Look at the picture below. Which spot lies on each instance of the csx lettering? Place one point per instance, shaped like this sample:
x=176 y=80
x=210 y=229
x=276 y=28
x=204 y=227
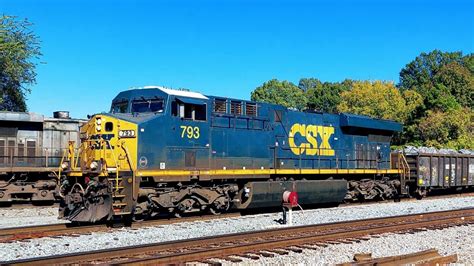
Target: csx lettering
x=310 y=145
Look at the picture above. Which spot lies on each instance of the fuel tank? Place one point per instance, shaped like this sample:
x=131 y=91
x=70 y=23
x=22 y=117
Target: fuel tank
x=263 y=194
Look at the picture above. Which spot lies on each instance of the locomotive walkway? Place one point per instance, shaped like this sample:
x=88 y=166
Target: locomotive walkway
x=264 y=243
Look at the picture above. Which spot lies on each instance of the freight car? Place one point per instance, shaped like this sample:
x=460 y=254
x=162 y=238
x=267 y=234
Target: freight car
x=169 y=151
x=440 y=171
x=31 y=148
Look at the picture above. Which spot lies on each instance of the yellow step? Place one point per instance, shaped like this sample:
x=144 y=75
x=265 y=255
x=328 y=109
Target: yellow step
x=119 y=196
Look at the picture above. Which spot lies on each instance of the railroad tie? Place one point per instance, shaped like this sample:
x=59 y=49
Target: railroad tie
x=294 y=249
x=233 y=259
x=320 y=244
x=210 y=262
x=308 y=247
x=354 y=240
x=279 y=251
x=249 y=256
x=362 y=256
x=333 y=242
x=345 y=241
x=266 y=254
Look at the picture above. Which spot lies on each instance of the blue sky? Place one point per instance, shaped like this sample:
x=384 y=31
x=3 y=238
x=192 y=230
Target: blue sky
x=94 y=49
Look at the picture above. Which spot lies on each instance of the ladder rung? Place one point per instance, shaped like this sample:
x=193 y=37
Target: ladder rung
x=119 y=204
x=119 y=196
x=122 y=213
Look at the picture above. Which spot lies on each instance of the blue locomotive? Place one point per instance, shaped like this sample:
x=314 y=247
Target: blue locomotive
x=160 y=150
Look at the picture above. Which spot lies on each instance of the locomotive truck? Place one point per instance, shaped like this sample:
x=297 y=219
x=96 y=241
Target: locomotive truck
x=163 y=151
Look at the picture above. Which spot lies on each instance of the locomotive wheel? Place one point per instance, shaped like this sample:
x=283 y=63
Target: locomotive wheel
x=176 y=214
x=219 y=206
x=214 y=210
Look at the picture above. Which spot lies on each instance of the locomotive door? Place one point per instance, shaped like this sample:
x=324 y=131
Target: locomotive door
x=191 y=149
x=3 y=152
x=360 y=152
x=281 y=150
x=7 y=152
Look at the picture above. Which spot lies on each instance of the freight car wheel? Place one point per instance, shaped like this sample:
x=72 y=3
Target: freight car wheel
x=420 y=194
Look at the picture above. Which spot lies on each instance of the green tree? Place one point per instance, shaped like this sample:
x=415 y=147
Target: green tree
x=19 y=51
x=309 y=83
x=442 y=78
x=458 y=81
x=378 y=99
x=326 y=96
x=450 y=129
x=280 y=92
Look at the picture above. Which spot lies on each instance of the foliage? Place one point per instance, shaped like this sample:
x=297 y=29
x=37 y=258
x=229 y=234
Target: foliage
x=280 y=92
x=378 y=99
x=308 y=83
x=325 y=97
x=451 y=129
x=457 y=81
x=443 y=79
x=19 y=50
x=446 y=83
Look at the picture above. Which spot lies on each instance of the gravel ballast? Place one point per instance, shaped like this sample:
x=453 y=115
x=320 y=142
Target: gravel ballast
x=126 y=237
x=28 y=216
x=456 y=240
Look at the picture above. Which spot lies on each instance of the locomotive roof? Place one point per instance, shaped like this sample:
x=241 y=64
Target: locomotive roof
x=346 y=120
x=152 y=90
x=21 y=117
x=33 y=118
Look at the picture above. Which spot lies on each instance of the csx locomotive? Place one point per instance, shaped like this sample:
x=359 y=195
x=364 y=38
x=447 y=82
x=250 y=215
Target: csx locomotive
x=31 y=148
x=163 y=151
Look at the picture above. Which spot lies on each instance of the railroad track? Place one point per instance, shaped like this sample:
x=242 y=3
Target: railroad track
x=56 y=230
x=262 y=243
x=425 y=257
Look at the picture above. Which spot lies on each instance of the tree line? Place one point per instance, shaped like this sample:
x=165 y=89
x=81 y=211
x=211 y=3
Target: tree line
x=433 y=99
x=19 y=52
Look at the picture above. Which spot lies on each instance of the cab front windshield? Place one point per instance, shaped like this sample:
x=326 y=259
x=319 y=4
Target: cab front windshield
x=147 y=106
x=120 y=107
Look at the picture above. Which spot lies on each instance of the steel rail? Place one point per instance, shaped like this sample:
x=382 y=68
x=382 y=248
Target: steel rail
x=222 y=246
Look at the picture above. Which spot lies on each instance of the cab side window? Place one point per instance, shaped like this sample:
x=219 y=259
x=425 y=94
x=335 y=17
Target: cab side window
x=189 y=111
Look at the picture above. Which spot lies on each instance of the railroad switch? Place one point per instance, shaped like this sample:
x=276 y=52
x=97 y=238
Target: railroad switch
x=289 y=201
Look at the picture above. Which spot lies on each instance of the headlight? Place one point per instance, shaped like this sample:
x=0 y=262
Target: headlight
x=94 y=165
x=98 y=127
x=64 y=165
x=98 y=121
x=126 y=133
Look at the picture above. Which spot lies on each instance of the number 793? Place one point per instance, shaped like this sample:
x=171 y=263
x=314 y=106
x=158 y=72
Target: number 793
x=190 y=132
